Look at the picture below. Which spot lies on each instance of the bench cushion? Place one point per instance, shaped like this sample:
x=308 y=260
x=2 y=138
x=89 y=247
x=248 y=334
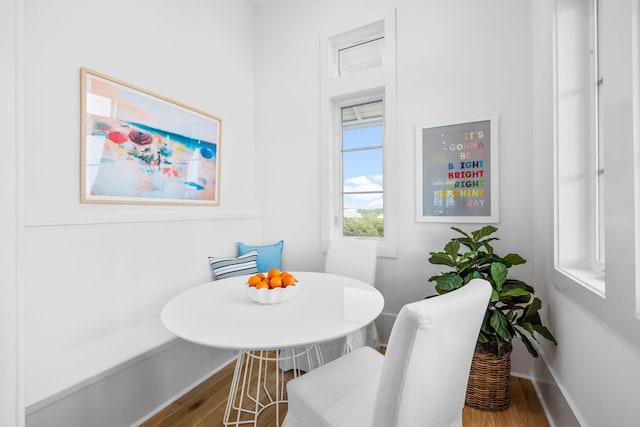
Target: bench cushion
x=73 y=369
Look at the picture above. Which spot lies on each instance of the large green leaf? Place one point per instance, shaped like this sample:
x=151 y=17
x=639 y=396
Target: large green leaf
x=461 y=231
x=473 y=246
x=448 y=282
x=542 y=330
x=501 y=325
x=528 y=344
x=483 y=232
x=441 y=258
x=510 y=314
x=528 y=327
x=452 y=248
x=514 y=292
x=514 y=259
x=515 y=301
x=532 y=309
x=481 y=261
x=483 y=338
x=512 y=283
x=488 y=247
x=499 y=274
x=485 y=242
x=534 y=319
x=468 y=257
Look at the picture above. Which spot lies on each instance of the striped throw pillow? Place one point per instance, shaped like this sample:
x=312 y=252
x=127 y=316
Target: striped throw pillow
x=229 y=267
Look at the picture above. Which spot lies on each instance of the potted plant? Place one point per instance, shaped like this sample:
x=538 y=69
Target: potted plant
x=512 y=311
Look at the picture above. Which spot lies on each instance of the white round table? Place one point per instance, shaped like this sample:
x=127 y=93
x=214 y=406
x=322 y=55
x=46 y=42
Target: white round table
x=220 y=314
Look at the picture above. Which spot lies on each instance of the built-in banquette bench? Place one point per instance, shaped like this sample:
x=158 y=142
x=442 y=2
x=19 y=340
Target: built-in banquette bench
x=123 y=378
x=118 y=379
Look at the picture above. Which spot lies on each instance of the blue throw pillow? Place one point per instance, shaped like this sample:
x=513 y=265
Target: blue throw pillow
x=269 y=256
x=229 y=267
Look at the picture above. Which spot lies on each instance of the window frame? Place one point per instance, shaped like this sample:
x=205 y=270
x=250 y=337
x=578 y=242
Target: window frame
x=347 y=89
x=339 y=149
x=578 y=113
x=599 y=252
x=619 y=97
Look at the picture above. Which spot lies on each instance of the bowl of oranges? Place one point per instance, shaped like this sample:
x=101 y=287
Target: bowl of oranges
x=273 y=287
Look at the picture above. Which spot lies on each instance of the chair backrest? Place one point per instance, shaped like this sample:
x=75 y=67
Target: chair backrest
x=428 y=358
x=355 y=258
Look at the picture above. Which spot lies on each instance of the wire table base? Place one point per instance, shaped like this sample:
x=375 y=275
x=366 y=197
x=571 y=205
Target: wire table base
x=258 y=383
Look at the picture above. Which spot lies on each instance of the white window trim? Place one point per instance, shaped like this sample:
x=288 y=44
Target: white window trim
x=620 y=96
x=336 y=91
x=573 y=129
x=635 y=37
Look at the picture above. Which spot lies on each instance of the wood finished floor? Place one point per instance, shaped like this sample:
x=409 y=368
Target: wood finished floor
x=205 y=404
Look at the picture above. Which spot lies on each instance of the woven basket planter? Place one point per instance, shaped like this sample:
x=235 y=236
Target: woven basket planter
x=488 y=386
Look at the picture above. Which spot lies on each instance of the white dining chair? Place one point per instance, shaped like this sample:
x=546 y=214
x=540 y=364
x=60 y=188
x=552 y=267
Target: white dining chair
x=421 y=381
x=354 y=258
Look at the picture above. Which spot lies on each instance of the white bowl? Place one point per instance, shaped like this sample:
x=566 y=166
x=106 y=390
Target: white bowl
x=272 y=296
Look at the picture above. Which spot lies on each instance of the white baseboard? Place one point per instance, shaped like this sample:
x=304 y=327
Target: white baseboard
x=559 y=409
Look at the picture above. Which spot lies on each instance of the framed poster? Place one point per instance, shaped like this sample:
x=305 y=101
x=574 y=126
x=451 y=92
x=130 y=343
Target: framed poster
x=139 y=147
x=457 y=171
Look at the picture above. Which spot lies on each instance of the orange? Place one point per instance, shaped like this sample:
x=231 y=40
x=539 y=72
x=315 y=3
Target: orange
x=261 y=276
x=254 y=280
x=273 y=272
x=276 y=282
x=263 y=285
x=288 y=280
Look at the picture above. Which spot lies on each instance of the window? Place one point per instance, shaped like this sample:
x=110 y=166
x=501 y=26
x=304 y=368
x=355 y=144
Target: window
x=361 y=55
x=580 y=191
x=362 y=170
x=358 y=122
x=597 y=119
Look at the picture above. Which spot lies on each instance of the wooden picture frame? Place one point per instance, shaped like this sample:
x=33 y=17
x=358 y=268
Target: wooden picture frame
x=457 y=171
x=140 y=147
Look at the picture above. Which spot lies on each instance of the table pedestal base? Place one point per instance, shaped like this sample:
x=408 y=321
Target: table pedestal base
x=259 y=384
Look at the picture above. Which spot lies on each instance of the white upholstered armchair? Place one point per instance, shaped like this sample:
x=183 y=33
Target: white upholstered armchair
x=421 y=381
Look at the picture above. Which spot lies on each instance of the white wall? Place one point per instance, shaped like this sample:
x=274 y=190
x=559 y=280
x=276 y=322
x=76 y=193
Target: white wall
x=93 y=268
x=10 y=363
x=454 y=58
x=90 y=269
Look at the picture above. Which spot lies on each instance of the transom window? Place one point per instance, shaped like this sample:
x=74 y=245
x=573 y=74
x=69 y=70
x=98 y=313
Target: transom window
x=362 y=55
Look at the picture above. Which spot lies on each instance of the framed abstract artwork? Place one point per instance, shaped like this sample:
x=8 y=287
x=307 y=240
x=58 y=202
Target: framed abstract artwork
x=457 y=172
x=139 y=147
